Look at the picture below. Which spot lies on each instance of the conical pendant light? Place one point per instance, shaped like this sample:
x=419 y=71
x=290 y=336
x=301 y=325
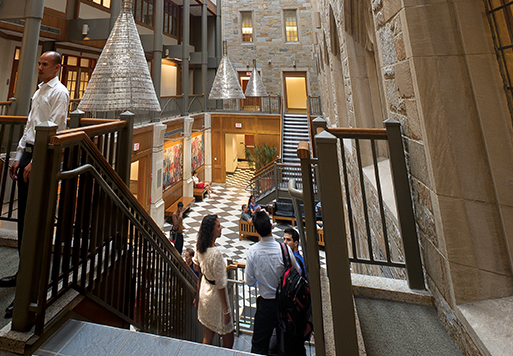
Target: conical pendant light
x=121 y=79
x=226 y=84
x=255 y=86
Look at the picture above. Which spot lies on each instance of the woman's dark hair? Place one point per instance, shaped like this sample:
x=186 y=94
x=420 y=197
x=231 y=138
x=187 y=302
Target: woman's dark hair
x=205 y=233
x=249 y=200
x=194 y=172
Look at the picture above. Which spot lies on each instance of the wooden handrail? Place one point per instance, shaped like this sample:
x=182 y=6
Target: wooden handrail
x=266 y=167
x=171 y=96
x=8 y=102
x=91 y=121
x=13 y=118
x=97 y=129
x=348 y=132
x=67 y=137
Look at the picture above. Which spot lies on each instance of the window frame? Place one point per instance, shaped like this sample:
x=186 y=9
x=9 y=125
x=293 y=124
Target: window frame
x=242 y=27
x=503 y=43
x=285 y=32
x=139 y=13
x=98 y=3
x=172 y=14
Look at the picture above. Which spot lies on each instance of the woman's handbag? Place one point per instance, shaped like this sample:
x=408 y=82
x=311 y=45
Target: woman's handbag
x=174 y=235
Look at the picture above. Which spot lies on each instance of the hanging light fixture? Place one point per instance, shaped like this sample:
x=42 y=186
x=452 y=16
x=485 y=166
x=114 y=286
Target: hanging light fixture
x=226 y=83
x=255 y=85
x=121 y=79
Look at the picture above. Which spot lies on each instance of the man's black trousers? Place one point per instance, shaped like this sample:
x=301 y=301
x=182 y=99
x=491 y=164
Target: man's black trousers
x=26 y=158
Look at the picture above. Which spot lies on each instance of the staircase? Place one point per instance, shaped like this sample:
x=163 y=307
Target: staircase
x=295 y=129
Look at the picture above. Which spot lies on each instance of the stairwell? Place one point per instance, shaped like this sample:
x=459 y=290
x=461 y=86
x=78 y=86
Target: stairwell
x=295 y=130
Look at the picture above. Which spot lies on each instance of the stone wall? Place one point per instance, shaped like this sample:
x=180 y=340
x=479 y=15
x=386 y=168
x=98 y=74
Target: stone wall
x=272 y=53
x=456 y=130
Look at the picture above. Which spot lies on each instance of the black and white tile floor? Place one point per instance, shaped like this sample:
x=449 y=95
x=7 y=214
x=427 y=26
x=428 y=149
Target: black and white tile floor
x=226 y=202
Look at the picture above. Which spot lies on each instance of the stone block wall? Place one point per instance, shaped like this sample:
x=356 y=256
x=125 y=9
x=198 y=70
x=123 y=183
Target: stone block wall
x=456 y=130
x=273 y=54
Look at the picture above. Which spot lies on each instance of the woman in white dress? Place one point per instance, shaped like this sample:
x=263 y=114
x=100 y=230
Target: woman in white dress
x=211 y=295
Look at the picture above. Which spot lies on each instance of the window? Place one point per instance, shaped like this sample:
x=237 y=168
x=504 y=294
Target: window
x=170 y=18
x=247 y=26
x=104 y=3
x=500 y=15
x=75 y=74
x=290 y=25
x=143 y=11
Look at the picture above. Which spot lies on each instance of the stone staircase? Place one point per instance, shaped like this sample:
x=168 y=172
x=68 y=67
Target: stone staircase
x=295 y=129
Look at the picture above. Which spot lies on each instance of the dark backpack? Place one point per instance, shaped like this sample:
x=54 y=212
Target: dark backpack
x=293 y=300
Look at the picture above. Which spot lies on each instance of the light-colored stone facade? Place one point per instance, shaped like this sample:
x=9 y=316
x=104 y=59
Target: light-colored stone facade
x=431 y=65
x=273 y=54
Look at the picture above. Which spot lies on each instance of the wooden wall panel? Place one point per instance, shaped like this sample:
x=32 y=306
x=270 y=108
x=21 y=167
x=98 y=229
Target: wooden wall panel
x=265 y=128
x=173 y=194
x=268 y=139
x=144 y=137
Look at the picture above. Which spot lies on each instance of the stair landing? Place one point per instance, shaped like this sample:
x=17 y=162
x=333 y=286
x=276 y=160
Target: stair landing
x=83 y=338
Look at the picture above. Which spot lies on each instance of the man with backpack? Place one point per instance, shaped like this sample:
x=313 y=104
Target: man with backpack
x=265 y=265
x=294 y=305
x=291 y=238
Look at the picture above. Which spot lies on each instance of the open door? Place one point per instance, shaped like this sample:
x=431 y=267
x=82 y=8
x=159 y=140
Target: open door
x=296 y=93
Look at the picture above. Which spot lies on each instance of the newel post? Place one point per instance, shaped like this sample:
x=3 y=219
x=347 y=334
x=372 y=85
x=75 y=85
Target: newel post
x=335 y=237
x=38 y=233
x=404 y=205
x=124 y=156
x=74 y=118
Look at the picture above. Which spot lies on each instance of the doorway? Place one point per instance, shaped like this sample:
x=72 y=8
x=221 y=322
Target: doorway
x=235 y=151
x=138 y=181
x=296 y=93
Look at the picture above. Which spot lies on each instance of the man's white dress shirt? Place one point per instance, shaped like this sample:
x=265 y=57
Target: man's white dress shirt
x=49 y=103
x=265 y=265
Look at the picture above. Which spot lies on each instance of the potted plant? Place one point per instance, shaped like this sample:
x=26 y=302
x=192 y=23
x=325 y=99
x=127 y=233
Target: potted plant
x=261 y=156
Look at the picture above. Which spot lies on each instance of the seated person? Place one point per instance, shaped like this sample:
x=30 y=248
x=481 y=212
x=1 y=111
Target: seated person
x=245 y=216
x=318 y=211
x=189 y=254
x=254 y=207
x=201 y=185
x=318 y=214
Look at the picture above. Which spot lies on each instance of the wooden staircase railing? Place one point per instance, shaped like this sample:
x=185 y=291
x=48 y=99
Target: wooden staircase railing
x=89 y=233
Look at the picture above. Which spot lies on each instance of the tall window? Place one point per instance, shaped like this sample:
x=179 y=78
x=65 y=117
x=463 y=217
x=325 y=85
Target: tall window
x=170 y=18
x=290 y=25
x=75 y=74
x=247 y=26
x=143 y=11
x=105 y=3
x=500 y=15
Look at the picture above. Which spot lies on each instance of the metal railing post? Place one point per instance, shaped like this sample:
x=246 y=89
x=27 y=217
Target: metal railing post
x=125 y=147
x=37 y=236
x=74 y=118
x=312 y=247
x=404 y=205
x=276 y=181
x=337 y=259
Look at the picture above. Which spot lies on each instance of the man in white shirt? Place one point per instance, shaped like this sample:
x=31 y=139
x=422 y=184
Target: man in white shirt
x=49 y=103
x=265 y=266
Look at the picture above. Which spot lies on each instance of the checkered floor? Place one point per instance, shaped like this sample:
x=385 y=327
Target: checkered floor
x=226 y=202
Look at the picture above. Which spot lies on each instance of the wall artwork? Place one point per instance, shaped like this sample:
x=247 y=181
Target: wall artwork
x=173 y=165
x=197 y=152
